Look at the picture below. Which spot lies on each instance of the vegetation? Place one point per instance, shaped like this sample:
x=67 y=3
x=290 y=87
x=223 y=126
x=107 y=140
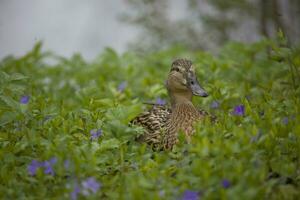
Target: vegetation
x=64 y=126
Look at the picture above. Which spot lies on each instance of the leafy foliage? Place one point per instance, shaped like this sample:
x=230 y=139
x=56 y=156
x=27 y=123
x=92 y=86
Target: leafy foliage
x=69 y=137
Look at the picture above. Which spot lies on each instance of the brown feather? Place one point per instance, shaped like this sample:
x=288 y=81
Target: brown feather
x=162 y=124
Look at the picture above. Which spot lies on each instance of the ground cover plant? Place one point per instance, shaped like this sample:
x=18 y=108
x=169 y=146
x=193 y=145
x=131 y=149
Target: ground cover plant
x=64 y=130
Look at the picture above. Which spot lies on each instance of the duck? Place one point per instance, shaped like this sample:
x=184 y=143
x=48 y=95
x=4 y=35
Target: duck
x=162 y=123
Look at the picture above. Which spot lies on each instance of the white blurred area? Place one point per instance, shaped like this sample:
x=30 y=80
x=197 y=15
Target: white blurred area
x=69 y=26
x=64 y=26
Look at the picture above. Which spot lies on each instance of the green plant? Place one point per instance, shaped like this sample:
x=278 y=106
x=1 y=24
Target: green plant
x=64 y=127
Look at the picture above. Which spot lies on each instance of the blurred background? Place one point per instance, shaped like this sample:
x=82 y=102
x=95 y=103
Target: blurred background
x=70 y=26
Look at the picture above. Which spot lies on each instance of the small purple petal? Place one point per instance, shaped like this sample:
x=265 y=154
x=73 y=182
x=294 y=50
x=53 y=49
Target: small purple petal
x=190 y=195
x=91 y=184
x=239 y=110
x=48 y=168
x=215 y=104
x=285 y=120
x=75 y=192
x=160 y=101
x=33 y=166
x=95 y=134
x=226 y=183
x=24 y=99
x=47 y=165
x=67 y=164
x=161 y=193
x=53 y=160
x=122 y=86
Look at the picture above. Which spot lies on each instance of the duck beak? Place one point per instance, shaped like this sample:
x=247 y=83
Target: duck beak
x=194 y=85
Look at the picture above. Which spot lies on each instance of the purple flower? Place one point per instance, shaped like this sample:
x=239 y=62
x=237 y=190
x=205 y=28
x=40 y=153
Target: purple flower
x=90 y=184
x=190 y=195
x=160 y=101
x=53 y=160
x=95 y=134
x=67 y=164
x=33 y=166
x=24 y=99
x=239 y=110
x=215 y=104
x=48 y=164
x=161 y=193
x=285 y=120
x=48 y=168
x=122 y=86
x=75 y=192
x=226 y=183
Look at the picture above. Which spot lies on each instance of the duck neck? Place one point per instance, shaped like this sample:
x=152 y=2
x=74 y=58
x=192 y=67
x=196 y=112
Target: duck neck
x=180 y=98
x=182 y=117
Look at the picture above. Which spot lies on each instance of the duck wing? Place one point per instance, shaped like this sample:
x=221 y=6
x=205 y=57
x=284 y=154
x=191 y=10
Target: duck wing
x=154 y=122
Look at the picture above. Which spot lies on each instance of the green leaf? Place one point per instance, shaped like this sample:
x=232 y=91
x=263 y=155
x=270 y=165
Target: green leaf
x=7 y=117
x=14 y=105
x=17 y=77
x=109 y=144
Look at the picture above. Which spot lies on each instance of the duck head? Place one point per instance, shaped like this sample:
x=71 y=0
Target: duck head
x=182 y=82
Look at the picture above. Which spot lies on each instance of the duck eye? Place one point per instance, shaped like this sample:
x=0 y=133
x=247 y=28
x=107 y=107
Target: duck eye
x=176 y=69
x=192 y=82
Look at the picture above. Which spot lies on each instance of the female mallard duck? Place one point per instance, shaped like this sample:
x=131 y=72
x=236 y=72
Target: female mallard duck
x=161 y=123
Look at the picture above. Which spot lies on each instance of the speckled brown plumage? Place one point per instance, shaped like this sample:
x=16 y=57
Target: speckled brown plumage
x=161 y=123
x=154 y=122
